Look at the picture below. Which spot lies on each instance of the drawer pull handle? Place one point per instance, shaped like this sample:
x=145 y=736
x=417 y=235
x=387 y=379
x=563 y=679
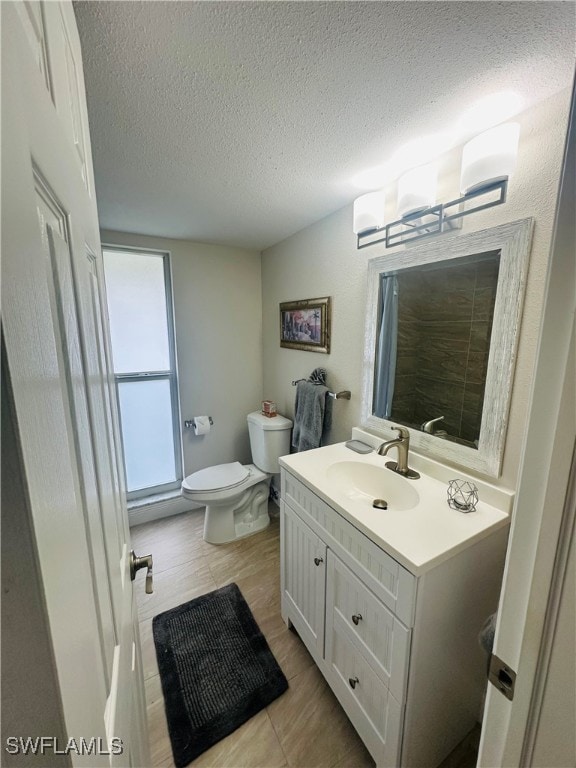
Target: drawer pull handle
x=318 y=560
x=353 y=681
x=357 y=618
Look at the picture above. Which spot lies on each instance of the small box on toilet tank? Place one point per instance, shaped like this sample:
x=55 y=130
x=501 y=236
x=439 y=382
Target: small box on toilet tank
x=268 y=408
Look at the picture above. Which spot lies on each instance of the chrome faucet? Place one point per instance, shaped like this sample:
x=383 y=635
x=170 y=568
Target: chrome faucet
x=402 y=444
x=428 y=426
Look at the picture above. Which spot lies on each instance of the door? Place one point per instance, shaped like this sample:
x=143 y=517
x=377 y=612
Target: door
x=304 y=578
x=58 y=358
x=528 y=630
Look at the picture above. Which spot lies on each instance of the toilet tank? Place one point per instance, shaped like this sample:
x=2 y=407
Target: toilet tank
x=269 y=439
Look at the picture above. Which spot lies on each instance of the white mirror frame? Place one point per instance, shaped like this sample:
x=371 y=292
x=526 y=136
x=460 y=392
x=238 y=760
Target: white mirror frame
x=513 y=240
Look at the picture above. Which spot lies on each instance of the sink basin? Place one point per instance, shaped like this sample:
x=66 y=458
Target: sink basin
x=361 y=481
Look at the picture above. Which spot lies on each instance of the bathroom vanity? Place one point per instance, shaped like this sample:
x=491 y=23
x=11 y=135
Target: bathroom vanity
x=389 y=602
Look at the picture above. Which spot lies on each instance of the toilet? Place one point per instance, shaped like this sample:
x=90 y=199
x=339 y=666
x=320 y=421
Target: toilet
x=236 y=495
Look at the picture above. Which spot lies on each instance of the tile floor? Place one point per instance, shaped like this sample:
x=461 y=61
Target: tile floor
x=305 y=727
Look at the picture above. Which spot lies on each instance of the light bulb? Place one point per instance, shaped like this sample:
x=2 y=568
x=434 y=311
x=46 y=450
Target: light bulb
x=489 y=157
x=368 y=212
x=417 y=189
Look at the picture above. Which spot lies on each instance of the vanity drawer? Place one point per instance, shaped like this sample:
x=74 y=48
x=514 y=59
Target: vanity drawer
x=351 y=609
x=374 y=712
x=390 y=582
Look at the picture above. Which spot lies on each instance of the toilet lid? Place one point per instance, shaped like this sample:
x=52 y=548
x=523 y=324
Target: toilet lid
x=217 y=478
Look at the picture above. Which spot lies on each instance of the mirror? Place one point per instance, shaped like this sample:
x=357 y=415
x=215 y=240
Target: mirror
x=441 y=316
x=441 y=332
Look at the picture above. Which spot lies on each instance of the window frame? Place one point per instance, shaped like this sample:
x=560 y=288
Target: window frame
x=171 y=375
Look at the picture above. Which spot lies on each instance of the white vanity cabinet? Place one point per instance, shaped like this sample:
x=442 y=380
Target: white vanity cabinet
x=399 y=650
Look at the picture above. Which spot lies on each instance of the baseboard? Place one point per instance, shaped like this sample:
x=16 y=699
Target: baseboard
x=155 y=508
x=147 y=510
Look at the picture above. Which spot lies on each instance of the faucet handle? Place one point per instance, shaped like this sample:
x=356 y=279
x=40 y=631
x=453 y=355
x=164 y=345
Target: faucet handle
x=403 y=433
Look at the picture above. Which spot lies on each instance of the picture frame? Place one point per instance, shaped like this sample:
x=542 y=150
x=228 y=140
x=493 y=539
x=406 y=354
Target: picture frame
x=305 y=324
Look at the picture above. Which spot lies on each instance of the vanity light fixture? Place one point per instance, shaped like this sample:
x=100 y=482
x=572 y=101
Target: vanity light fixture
x=369 y=213
x=488 y=161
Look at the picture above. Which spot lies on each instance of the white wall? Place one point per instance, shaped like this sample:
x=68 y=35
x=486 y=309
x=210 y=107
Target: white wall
x=322 y=260
x=218 y=317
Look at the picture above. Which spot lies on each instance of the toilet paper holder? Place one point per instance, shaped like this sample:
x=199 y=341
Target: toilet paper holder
x=189 y=423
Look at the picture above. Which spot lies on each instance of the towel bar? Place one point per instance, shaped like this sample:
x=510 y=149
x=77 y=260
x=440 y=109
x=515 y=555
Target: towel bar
x=344 y=395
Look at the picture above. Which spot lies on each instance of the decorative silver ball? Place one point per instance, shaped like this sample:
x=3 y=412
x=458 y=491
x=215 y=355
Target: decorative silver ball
x=462 y=495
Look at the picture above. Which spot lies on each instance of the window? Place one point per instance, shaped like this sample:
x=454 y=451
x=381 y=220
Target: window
x=142 y=335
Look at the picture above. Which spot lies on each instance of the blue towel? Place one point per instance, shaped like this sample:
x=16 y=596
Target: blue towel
x=312 y=412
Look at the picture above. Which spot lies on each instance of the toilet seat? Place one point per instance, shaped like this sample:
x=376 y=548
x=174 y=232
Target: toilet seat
x=218 y=478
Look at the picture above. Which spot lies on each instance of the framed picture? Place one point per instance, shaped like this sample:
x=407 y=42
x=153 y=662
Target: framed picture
x=305 y=325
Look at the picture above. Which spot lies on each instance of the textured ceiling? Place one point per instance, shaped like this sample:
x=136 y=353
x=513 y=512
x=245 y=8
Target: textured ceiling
x=242 y=122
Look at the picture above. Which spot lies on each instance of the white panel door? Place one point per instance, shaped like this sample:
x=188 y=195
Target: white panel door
x=544 y=515
x=58 y=357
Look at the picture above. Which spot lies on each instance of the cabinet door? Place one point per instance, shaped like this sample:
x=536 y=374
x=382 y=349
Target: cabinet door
x=303 y=580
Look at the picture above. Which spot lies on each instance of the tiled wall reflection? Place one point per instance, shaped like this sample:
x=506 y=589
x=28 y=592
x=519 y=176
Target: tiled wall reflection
x=444 y=328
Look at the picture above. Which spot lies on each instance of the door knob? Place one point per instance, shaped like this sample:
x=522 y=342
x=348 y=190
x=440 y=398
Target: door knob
x=353 y=681
x=142 y=562
x=318 y=560
x=356 y=618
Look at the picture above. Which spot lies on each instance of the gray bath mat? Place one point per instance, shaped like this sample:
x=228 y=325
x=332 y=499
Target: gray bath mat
x=216 y=669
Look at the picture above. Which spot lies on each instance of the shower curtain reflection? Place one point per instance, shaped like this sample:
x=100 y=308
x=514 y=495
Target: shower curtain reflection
x=386 y=347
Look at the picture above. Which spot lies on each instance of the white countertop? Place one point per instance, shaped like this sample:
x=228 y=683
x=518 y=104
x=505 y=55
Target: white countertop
x=419 y=537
